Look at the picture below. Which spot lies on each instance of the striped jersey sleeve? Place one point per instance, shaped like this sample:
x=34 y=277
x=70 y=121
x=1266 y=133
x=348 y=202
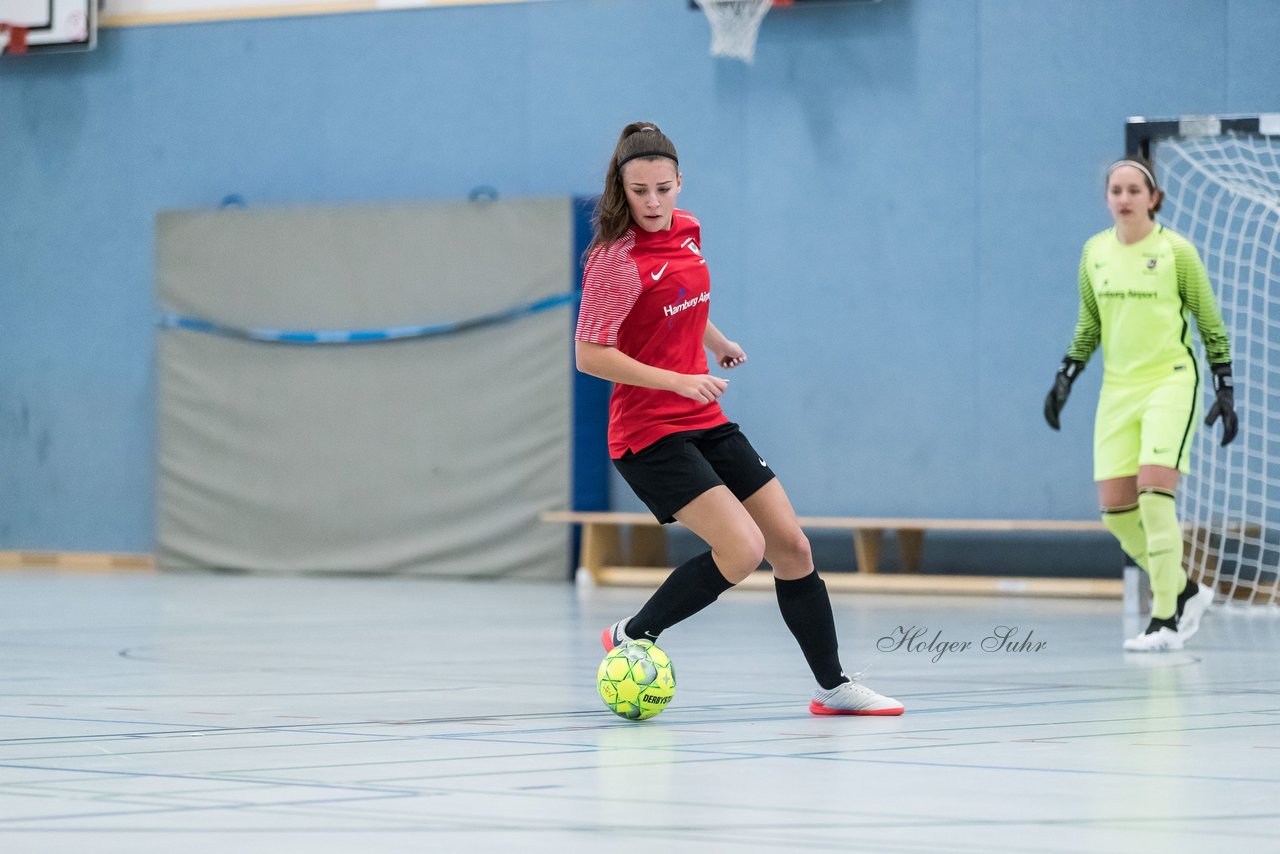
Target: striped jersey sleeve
x=610 y=287
x=1089 y=324
x=1197 y=295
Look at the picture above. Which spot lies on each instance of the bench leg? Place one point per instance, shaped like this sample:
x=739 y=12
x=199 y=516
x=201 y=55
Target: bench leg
x=648 y=546
x=866 y=549
x=601 y=547
x=911 y=546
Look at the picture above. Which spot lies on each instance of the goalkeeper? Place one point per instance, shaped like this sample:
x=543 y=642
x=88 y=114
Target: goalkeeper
x=1138 y=283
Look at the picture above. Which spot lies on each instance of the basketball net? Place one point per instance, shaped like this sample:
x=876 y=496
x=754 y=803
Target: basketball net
x=13 y=39
x=735 y=25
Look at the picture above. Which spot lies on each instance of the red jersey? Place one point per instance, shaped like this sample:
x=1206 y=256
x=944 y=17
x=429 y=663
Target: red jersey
x=649 y=294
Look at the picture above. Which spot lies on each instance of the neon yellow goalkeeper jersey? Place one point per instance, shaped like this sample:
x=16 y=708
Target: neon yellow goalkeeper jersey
x=1134 y=300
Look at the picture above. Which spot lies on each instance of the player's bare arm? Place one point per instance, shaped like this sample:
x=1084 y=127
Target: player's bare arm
x=609 y=363
x=728 y=354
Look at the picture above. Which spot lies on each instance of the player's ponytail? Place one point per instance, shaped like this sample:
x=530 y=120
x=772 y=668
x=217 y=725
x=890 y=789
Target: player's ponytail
x=639 y=141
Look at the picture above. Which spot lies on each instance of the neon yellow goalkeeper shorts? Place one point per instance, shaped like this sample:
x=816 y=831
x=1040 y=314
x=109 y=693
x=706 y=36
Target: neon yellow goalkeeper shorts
x=1146 y=424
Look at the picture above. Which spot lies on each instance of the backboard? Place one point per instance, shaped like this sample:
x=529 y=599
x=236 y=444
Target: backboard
x=50 y=25
x=693 y=4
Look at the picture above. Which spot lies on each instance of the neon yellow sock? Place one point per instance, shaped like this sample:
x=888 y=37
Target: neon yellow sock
x=1164 y=550
x=1126 y=524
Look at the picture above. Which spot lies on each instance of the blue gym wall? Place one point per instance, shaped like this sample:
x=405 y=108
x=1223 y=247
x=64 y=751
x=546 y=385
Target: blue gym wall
x=893 y=198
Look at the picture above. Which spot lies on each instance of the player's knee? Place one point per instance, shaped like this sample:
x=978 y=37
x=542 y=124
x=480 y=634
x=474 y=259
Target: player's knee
x=791 y=550
x=741 y=554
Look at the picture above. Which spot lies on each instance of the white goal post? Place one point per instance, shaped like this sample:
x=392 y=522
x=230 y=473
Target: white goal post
x=1221 y=177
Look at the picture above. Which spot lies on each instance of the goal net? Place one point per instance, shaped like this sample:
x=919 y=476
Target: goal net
x=735 y=25
x=1223 y=194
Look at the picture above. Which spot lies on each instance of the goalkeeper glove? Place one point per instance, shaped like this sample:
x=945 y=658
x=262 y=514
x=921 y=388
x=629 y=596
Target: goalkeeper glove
x=1225 y=405
x=1057 y=397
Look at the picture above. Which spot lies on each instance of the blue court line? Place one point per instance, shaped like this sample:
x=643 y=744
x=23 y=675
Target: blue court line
x=212 y=776
x=719 y=749
x=345 y=728
x=513 y=736
x=694 y=756
x=170 y=320
x=1088 y=772
x=15 y=823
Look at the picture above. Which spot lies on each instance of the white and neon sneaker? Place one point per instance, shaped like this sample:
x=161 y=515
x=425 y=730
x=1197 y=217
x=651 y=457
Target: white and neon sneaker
x=614 y=636
x=853 y=698
x=1156 y=638
x=1193 y=609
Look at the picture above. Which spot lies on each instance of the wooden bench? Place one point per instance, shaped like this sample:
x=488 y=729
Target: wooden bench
x=77 y=561
x=639 y=557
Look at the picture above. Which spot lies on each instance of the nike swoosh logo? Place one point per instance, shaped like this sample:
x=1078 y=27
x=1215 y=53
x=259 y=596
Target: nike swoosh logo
x=661 y=270
x=762 y=462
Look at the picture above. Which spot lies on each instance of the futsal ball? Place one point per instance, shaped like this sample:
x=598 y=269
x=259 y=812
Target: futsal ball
x=636 y=680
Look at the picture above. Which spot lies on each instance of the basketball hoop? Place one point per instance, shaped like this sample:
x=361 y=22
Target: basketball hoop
x=735 y=25
x=13 y=39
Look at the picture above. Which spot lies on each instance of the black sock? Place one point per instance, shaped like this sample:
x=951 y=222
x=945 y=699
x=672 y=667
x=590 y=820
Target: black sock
x=691 y=586
x=806 y=609
x=1157 y=624
x=1187 y=592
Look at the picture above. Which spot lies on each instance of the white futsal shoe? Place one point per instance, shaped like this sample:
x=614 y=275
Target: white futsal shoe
x=616 y=635
x=1155 y=639
x=1193 y=608
x=853 y=698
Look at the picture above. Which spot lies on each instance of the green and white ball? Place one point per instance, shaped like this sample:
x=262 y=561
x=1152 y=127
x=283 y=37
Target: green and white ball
x=636 y=680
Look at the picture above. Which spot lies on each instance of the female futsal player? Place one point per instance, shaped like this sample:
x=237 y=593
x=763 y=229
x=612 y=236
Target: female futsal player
x=644 y=326
x=1138 y=282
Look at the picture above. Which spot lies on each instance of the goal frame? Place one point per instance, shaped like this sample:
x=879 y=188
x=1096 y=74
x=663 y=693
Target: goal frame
x=1140 y=132
x=1141 y=135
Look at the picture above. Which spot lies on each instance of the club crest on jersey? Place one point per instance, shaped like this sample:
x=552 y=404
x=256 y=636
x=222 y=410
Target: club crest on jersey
x=1151 y=263
x=690 y=244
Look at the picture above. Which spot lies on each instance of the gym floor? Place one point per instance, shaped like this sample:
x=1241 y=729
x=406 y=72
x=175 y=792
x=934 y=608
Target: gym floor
x=215 y=713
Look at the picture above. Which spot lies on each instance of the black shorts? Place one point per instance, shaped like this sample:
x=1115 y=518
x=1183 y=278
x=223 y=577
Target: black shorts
x=678 y=468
